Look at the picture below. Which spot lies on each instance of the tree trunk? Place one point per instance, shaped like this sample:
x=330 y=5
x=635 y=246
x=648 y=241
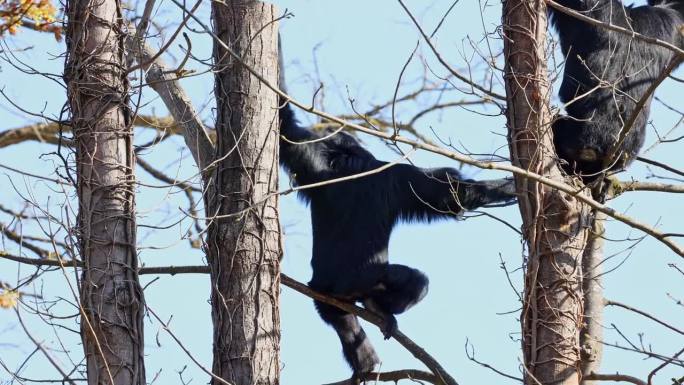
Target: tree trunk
x=111 y=297
x=592 y=328
x=555 y=225
x=244 y=249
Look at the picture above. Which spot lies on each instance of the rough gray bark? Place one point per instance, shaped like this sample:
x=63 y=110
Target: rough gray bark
x=244 y=249
x=592 y=328
x=555 y=225
x=111 y=297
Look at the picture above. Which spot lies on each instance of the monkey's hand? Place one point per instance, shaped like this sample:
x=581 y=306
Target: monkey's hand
x=389 y=321
x=389 y=326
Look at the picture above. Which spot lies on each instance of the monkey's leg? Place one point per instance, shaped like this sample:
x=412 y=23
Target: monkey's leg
x=357 y=348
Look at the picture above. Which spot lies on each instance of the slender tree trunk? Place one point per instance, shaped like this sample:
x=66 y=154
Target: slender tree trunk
x=555 y=225
x=244 y=250
x=111 y=297
x=592 y=328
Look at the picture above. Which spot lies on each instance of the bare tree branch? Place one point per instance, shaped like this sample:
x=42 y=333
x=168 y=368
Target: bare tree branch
x=19 y=239
x=627 y=186
x=643 y=313
x=643 y=101
x=614 y=377
x=661 y=165
x=48 y=132
x=177 y=102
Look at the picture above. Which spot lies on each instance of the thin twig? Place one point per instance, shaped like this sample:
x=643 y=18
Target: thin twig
x=664 y=364
x=187 y=352
x=166 y=46
x=445 y=63
x=645 y=98
x=47 y=355
x=643 y=313
x=661 y=165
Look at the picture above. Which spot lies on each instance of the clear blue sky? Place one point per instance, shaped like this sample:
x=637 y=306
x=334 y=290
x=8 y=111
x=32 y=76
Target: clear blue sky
x=362 y=46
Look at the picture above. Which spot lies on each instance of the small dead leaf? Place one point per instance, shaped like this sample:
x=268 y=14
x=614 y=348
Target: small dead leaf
x=8 y=298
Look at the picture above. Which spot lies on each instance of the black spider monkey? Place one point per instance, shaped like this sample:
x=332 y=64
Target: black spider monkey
x=606 y=74
x=352 y=221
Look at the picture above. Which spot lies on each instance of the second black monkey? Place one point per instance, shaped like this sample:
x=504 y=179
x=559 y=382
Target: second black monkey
x=606 y=75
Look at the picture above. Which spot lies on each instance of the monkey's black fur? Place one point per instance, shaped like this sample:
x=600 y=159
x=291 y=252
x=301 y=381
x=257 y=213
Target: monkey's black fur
x=352 y=222
x=606 y=74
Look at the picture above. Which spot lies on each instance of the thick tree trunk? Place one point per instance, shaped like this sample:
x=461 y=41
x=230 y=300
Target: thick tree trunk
x=244 y=250
x=111 y=297
x=555 y=225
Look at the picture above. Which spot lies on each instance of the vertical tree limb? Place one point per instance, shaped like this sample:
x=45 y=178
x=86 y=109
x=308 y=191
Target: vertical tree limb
x=244 y=251
x=592 y=328
x=111 y=297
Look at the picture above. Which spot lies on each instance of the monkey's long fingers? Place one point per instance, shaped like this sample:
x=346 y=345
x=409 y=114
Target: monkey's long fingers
x=390 y=326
